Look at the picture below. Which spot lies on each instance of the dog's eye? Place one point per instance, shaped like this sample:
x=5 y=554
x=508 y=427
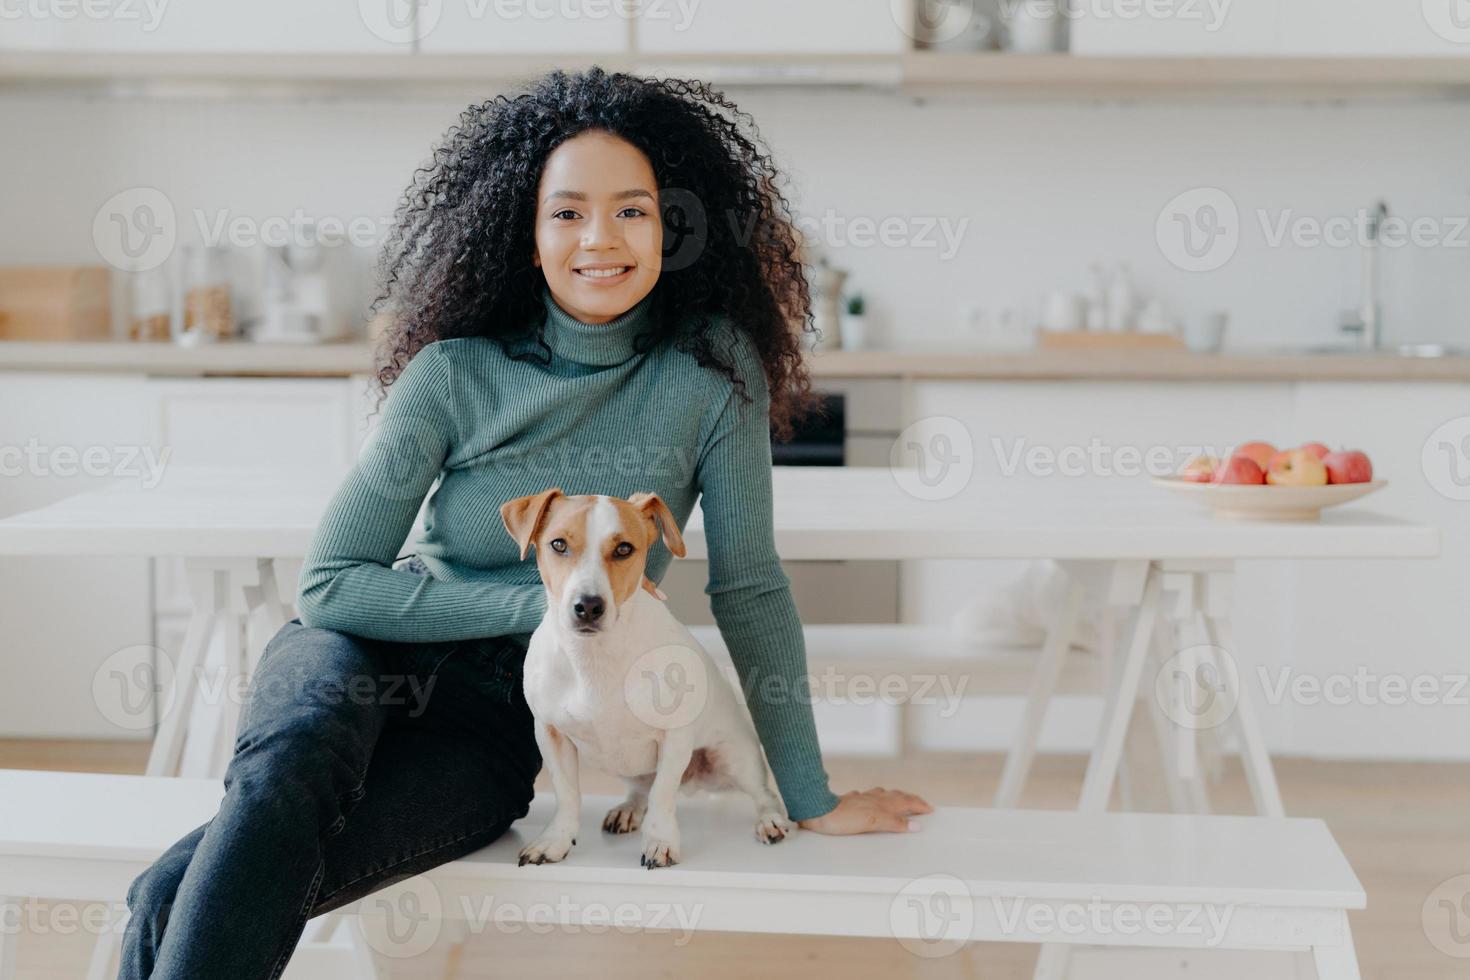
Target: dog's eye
x=559 y=545
x=623 y=550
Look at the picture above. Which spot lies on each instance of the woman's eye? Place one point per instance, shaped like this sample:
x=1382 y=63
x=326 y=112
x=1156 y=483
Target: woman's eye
x=559 y=545
x=623 y=550
x=564 y=211
x=632 y=212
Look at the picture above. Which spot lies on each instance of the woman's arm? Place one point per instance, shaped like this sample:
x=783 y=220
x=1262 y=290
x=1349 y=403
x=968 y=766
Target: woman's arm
x=348 y=583
x=750 y=596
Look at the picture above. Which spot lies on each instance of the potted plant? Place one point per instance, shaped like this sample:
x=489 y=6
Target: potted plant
x=854 y=323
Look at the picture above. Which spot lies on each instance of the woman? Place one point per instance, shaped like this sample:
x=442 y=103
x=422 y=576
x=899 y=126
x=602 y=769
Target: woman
x=592 y=285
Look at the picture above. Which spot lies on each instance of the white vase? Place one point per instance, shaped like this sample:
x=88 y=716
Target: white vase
x=854 y=332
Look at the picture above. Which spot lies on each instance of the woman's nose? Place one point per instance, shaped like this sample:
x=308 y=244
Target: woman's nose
x=601 y=230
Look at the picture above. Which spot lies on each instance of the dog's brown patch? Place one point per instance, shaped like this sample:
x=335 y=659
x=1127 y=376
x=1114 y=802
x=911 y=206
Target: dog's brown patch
x=703 y=765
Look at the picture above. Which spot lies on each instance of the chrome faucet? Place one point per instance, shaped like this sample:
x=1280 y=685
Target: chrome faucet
x=1367 y=320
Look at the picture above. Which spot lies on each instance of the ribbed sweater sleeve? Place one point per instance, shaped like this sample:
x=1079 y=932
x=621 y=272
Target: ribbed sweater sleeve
x=750 y=595
x=348 y=583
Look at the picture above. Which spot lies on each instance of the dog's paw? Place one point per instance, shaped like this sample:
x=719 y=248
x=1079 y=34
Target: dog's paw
x=546 y=850
x=659 y=854
x=624 y=818
x=771 y=827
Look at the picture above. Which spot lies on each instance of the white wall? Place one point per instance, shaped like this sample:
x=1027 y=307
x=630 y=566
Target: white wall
x=1047 y=188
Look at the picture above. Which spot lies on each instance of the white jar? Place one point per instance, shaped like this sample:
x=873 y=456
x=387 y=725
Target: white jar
x=1034 y=26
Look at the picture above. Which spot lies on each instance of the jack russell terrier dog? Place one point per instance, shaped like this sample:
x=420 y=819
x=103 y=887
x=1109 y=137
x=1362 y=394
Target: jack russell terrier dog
x=594 y=670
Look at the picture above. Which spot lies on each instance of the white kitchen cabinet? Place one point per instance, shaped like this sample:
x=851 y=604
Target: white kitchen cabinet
x=560 y=27
x=65 y=617
x=292 y=424
x=70 y=622
x=1375 y=27
x=211 y=27
x=774 y=26
x=1308 y=28
x=1207 y=28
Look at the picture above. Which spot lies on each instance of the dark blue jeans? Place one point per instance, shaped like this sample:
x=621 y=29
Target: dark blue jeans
x=357 y=763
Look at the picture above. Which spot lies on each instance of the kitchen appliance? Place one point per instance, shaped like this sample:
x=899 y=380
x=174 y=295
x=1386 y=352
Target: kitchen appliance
x=299 y=303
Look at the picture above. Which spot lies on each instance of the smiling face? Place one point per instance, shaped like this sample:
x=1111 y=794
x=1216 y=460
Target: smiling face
x=599 y=236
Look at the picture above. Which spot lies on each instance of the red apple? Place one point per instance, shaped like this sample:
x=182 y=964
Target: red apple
x=1201 y=469
x=1259 y=452
x=1299 y=468
x=1314 y=449
x=1240 y=469
x=1348 y=466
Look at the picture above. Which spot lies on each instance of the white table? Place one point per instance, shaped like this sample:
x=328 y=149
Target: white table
x=1129 y=543
x=1145 y=553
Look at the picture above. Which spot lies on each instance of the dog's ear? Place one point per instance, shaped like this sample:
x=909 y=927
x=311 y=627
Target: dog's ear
x=522 y=516
x=653 y=505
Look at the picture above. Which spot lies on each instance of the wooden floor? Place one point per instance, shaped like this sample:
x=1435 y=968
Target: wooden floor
x=1405 y=828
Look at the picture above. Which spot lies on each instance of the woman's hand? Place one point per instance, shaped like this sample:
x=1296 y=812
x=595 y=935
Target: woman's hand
x=869 y=811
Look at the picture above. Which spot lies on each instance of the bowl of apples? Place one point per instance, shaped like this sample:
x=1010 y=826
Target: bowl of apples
x=1259 y=482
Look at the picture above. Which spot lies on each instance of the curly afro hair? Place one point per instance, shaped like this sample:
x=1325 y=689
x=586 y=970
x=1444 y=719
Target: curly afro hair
x=458 y=261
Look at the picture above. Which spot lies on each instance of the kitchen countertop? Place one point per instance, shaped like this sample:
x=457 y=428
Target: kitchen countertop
x=341 y=359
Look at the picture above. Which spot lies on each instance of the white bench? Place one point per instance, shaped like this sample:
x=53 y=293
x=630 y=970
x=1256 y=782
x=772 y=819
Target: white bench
x=1055 y=877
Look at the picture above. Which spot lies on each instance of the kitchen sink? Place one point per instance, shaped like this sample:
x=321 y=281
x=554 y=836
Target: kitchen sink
x=1400 y=350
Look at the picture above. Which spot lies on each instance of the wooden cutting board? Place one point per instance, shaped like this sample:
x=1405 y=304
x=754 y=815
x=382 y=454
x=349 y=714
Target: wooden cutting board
x=55 y=303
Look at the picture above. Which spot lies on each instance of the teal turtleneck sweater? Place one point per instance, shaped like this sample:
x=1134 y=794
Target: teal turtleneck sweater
x=598 y=419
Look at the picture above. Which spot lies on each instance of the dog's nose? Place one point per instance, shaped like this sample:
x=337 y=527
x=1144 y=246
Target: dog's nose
x=589 y=608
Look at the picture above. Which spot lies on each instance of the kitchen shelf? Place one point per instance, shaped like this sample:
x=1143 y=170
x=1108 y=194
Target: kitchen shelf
x=1065 y=75
x=985 y=74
